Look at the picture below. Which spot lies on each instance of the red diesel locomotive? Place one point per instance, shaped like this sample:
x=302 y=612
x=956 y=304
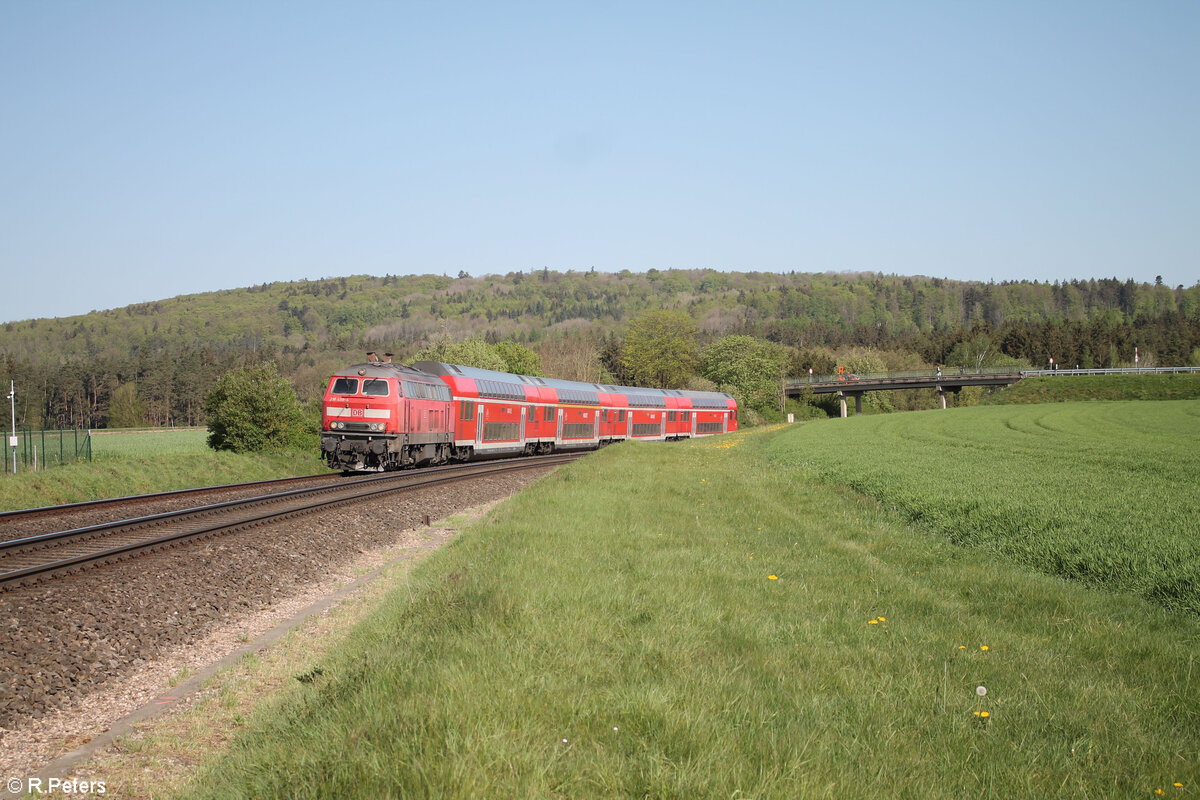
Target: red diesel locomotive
x=381 y=416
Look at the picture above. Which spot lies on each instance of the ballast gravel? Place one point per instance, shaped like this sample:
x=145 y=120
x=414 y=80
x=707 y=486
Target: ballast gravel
x=63 y=642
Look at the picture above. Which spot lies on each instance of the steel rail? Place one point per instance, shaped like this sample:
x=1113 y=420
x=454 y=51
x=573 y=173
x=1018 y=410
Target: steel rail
x=85 y=505
x=17 y=568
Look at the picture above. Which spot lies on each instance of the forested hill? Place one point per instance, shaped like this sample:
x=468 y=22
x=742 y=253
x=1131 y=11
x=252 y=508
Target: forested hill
x=172 y=350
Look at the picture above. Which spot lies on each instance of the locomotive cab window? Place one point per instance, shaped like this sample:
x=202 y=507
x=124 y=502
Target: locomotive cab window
x=345 y=386
x=375 y=387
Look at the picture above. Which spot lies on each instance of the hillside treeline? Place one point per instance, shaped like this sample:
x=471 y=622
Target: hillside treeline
x=154 y=363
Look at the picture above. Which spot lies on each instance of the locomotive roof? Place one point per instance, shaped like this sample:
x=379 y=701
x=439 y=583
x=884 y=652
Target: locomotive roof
x=475 y=373
x=386 y=369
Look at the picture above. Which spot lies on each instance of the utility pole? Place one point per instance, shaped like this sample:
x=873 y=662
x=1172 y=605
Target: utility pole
x=12 y=440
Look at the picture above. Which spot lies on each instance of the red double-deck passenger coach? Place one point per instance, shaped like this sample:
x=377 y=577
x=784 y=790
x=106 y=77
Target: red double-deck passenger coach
x=382 y=416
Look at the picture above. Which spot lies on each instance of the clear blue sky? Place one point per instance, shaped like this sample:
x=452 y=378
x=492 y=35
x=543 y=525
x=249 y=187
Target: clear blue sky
x=151 y=149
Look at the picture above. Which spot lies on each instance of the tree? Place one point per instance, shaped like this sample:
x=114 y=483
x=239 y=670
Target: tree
x=519 y=359
x=255 y=410
x=573 y=357
x=467 y=353
x=125 y=409
x=754 y=366
x=660 y=349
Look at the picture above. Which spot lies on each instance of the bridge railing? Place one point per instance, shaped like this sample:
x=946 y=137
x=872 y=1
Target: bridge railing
x=952 y=371
x=1038 y=373
x=916 y=373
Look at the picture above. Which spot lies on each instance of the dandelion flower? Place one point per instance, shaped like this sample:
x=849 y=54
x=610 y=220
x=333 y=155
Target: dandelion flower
x=1158 y=791
x=1178 y=785
x=984 y=715
x=883 y=619
x=984 y=647
x=960 y=647
x=872 y=622
x=772 y=577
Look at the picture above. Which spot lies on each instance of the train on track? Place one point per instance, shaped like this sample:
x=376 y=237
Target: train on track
x=379 y=416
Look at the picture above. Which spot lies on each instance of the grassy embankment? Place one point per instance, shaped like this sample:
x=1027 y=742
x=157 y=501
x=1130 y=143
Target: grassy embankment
x=138 y=463
x=1069 y=388
x=715 y=619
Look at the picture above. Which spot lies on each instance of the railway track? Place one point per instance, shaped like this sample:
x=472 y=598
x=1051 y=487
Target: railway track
x=35 y=559
x=181 y=496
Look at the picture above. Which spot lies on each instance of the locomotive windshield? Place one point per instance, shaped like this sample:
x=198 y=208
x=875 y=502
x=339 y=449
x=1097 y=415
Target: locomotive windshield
x=372 y=387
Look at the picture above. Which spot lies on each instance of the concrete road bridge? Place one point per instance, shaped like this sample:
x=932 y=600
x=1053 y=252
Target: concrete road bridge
x=944 y=380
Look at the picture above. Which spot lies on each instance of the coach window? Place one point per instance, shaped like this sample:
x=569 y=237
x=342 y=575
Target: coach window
x=375 y=387
x=345 y=386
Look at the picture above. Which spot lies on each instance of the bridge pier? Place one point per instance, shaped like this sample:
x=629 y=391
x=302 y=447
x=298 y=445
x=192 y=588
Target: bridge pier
x=857 y=402
x=942 y=393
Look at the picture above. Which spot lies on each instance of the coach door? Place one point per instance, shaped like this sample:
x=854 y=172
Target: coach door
x=479 y=424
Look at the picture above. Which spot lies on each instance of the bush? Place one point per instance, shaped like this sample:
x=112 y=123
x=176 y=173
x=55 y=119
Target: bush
x=255 y=410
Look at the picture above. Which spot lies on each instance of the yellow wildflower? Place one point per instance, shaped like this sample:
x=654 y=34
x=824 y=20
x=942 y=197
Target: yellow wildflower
x=772 y=577
x=984 y=647
x=872 y=622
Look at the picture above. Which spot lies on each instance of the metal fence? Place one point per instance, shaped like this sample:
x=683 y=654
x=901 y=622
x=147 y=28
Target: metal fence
x=37 y=450
x=952 y=371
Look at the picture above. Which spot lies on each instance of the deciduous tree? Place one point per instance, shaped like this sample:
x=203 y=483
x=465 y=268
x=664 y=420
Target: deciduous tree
x=754 y=366
x=660 y=349
x=255 y=410
x=126 y=409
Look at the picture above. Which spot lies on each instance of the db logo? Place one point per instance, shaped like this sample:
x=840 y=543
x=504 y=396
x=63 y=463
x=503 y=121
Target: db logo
x=358 y=412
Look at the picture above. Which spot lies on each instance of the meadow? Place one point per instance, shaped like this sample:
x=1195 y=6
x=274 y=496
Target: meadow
x=724 y=618
x=127 y=463
x=115 y=445
x=1104 y=493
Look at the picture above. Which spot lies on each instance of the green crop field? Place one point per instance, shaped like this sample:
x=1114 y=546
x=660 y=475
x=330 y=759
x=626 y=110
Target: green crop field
x=725 y=618
x=118 y=445
x=1105 y=493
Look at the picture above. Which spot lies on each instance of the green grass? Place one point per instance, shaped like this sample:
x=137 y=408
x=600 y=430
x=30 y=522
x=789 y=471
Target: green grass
x=112 y=476
x=1071 y=388
x=1104 y=493
x=117 y=445
x=615 y=631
